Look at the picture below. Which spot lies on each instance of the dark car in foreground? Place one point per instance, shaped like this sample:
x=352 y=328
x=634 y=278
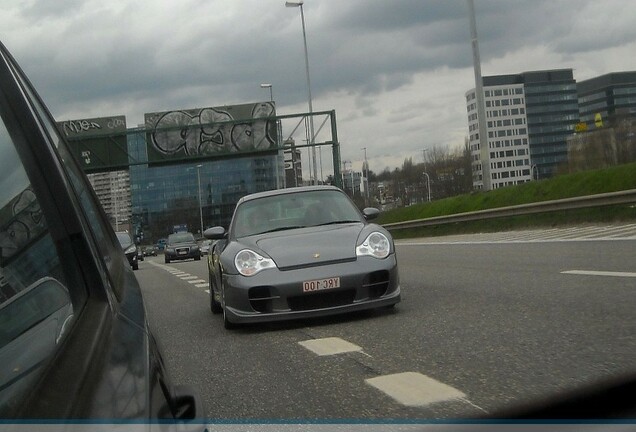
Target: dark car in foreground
x=300 y=252
x=129 y=248
x=74 y=339
x=181 y=246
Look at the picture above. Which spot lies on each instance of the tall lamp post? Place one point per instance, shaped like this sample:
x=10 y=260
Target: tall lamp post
x=271 y=94
x=198 y=167
x=299 y=4
x=366 y=177
x=428 y=184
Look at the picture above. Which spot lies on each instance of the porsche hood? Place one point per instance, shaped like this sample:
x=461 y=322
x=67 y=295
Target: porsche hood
x=312 y=246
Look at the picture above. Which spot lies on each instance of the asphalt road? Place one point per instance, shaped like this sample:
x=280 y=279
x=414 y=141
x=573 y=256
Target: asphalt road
x=482 y=326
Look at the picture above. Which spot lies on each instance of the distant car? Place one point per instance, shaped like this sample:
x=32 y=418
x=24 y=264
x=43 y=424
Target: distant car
x=300 y=252
x=150 y=251
x=129 y=247
x=161 y=244
x=74 y=337
x=205 y=247
x=181 y=246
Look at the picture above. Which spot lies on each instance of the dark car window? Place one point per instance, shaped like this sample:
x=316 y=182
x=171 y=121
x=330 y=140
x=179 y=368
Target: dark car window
x=181 y=238
x=36 y=308
x=124 y=239
x=94 y=216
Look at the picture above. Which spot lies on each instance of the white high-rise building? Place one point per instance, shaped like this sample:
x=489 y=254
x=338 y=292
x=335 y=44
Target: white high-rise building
x=529 y=117
x=508 y=146
x=113 y=190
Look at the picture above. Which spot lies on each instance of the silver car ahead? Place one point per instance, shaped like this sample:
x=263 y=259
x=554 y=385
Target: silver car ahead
x=300 y=252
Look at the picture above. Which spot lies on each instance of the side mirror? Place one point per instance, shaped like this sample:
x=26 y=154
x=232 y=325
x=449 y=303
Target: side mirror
x=185 y=402
x=370 y=213
x=215 y=233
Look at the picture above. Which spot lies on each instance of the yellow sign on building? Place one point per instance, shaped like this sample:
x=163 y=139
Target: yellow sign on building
x=580 y=127
x=598 y=120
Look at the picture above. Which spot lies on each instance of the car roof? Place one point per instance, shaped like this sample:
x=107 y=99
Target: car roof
x=293 y=190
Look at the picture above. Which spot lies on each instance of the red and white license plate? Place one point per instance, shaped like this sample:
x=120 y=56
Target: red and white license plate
x=321 y=284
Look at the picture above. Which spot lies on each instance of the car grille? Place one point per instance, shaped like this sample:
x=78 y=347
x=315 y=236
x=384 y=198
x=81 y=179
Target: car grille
x=321 y=300
x=182 y=250
x=376 y=283
x=262 y=298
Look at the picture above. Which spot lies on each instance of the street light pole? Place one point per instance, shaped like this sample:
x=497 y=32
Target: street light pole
x=311 y=110
x=428 y=184
x=200 y=204
x=198 y=167
x=366 y=176
x=271 y=94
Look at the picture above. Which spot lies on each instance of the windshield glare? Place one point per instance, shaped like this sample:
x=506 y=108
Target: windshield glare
x=124 y=239
x=181 y=238
x=296 y=210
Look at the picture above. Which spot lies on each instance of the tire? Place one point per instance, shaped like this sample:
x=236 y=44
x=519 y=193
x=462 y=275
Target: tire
x=227 y=324
x=197 y=258
x=167 y=260
x=215 y=306
x=135 y=266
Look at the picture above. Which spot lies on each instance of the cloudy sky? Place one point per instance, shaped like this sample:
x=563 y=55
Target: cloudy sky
x=394 y=71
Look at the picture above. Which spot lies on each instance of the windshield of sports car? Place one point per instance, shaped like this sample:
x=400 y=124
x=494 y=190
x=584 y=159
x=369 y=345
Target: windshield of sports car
x=294 y=210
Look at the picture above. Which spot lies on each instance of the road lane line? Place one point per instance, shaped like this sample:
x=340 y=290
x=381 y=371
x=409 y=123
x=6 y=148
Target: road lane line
x=414 y=389
x=330 y=346
x=599 y=273
x=196 y=281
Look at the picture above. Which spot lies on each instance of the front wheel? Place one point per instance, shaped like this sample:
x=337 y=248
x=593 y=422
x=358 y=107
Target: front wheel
x=167 y=260
x=215 y=306
x=226 y=323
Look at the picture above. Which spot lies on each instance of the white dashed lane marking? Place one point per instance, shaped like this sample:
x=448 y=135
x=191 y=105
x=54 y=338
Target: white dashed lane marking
x=414 y=389
x=411 y=389
x=194 y=280
x=600 y=273
x=330 y=346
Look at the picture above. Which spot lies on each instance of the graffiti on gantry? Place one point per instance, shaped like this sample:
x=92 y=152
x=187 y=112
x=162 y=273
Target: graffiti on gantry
x=21 y=221
x=211 y=131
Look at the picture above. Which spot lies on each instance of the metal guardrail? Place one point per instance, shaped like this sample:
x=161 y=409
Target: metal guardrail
x=605 y=199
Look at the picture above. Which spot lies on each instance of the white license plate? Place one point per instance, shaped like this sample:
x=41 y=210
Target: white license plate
x=321 y=284
x=182 y=252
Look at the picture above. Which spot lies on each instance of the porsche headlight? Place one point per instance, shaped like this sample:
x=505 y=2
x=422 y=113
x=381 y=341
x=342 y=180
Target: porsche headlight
x=248 y=262
x=376 y=245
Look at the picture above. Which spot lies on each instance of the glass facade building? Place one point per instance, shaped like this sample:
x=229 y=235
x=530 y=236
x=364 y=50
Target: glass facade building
x=166 y=196
x=531 y=112
x=553 y=111
x=603 y=98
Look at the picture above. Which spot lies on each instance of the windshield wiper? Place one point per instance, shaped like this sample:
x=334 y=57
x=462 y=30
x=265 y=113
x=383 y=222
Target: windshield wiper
x=281 y=229
x=339 y=222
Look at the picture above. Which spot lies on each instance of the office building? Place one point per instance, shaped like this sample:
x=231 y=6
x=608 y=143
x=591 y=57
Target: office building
x=604 y=98
x=529 y=118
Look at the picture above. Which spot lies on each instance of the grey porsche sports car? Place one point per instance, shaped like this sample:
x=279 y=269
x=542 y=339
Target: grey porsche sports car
x=300 y=252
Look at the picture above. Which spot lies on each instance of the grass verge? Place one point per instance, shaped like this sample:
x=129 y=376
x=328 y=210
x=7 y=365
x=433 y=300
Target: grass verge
x=612 y=179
